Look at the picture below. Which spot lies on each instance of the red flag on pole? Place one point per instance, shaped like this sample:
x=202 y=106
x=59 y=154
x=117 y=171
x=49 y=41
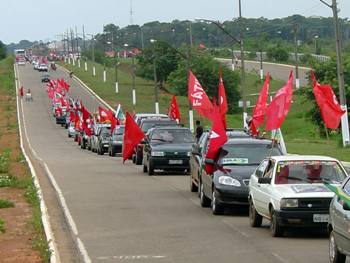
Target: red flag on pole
x=103 y=114
x=198 y=98
x=132 y=137
x=279 y=107
x=223 y=107
x=112 y=119
x=174 y=112
x=261 y=106
x=217 y=138
x=330 y=109
x=21 y=91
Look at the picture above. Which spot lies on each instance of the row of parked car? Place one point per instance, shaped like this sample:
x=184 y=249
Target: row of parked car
x=288 y=190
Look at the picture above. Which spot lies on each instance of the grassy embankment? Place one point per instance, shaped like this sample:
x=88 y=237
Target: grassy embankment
x=14 y=172
x=300 y=134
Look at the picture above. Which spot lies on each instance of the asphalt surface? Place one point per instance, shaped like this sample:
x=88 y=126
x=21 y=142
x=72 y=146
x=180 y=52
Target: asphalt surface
x=123 y=215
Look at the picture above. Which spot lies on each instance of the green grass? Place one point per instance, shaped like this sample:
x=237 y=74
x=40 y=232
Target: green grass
x=300 y=134
x=6 y=203
x=2 y=226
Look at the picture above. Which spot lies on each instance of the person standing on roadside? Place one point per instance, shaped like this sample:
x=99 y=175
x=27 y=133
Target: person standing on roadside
x=199 y=130
x=21 y=92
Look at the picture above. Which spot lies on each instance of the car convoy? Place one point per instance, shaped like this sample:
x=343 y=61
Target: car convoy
x=287 y=190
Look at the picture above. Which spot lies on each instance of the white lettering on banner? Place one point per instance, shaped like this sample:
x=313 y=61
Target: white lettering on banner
x=214 y=135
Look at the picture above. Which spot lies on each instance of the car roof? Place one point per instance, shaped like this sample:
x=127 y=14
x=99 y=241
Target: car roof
x=248 y=140
x=143 y=115
x=156 y=120
x=296 y=157
x=170 y=127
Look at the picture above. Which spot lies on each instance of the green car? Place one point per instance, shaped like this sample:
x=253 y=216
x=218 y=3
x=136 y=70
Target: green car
x=339 y=224
x=167 y=148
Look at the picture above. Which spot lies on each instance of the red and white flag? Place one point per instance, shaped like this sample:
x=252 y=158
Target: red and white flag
x=261 y=106
x=279 y=107
x=198 y=98
x=222 y=101
x=330 y=109
x=132 y=137
x=174 y=112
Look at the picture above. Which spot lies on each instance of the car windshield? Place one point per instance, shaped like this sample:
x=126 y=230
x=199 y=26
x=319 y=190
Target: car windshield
x=301 y=172
x=105 y=131
x=119 y=130
x=172 y=136
x=145 y=126
x=246 y=154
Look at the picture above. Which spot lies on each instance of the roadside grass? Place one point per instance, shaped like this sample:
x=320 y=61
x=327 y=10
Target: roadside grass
x=300 y=134
x=7 y=176
x=6 y=203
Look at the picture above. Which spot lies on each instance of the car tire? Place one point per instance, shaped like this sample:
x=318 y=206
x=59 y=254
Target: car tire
x=83 y=145
x=204 y=200
x=150 y=168
x=275 y=228
x=133 y=158
x=145 y=170
x=217 y=209
x=138 y=159
x=193 y=187
x=66 y=126
x=255 y=219
x=69 y=136
x=335 y=256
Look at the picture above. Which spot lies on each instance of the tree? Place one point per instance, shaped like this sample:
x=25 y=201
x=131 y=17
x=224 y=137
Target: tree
x=206 y=69
x=165 y=57
x=278 y=53
x=2 y=50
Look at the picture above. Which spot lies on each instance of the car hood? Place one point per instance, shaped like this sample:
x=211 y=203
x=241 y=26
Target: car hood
x=168 y=147
x=236 y=171
x=302 y=191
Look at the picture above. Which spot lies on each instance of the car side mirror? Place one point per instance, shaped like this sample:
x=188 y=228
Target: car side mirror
x=264 y=180
x=209 y=161
x=346 y=206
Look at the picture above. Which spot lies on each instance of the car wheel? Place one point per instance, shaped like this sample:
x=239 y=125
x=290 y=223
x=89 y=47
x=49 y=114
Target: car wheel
x=138 y=159
x=255 y=219
x=150 y=168
x=204 y=200
x=193 y=187
x=275 y=228
x=133 y=158
x=69 y=135
x=145 y=170
x=334 y=255
x=216 y=208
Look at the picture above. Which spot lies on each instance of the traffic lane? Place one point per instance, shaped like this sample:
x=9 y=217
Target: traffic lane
x=122 y=214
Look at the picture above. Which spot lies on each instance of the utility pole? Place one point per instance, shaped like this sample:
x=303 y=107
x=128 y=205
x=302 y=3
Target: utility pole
x=340 y=72
x=260 y=51
x=190 y=32
x=156 y=104
x=142 y=41
x=242 y=66
x=296 y=57
x=84 y=43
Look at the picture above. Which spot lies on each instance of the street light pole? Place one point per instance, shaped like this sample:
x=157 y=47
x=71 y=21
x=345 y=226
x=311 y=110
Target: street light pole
x=133 y=71
x=296 y=57
x=340 y=72
x=156 y=104
x=104 y=57
x=242 y=67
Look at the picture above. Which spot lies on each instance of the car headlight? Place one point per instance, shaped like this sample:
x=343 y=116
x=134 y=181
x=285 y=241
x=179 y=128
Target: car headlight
x=226 y=180
x=154 y=153
x=289 y=203
x=188 y=153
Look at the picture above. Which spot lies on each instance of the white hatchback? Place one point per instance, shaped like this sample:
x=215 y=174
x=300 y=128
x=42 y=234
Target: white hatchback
x=290 y=191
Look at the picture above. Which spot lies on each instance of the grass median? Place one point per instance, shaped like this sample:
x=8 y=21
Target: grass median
x=301 y=136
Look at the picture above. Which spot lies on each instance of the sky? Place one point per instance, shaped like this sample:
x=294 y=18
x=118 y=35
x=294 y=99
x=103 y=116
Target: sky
x=46 y=19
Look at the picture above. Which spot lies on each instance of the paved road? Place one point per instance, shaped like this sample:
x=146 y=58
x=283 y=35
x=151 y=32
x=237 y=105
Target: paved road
x=277 y=71
x=124 y=216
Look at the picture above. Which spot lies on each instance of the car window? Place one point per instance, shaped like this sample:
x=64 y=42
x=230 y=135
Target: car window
x=261 y=169
x=172 y=136
x=269 y=169
x=305 y=171
x=346 y=187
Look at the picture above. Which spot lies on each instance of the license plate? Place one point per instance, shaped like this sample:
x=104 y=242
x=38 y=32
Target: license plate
x=105 y=145
x=175 y=161
x=320 y=218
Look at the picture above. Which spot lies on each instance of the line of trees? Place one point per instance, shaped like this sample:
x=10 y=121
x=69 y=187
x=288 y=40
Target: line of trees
x=2 y=50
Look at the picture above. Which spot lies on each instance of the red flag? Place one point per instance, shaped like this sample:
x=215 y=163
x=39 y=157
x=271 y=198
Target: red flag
x=330 y=109
x=279 y=107
x=261 y=106
x=103 y=114
x=72 y=116
x=223 y=107
x=198 y=98
x=85 y=113
x=132 y=136
x=21 y=91
x=112 y=119
x=174 y=112
x=217 y=139
x=77 y=122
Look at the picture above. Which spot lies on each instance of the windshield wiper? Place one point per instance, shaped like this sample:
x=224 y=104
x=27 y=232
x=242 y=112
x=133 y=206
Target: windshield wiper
x=159 y=139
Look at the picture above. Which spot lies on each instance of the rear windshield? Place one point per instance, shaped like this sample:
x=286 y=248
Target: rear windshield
x=294 y=172
x=172 y=136
x=145 y=126
x=246 y=154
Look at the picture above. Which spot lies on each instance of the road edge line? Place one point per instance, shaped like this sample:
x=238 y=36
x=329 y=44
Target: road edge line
x=54 y=257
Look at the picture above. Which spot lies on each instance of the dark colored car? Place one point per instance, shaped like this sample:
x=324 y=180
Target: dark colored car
x=145 y=125
x=103 y=140
x=61 y=117
x=198 y=153
x=167 y=148
x=116 y=140
x=339 y=226
x=236 y=162
x=45 y=78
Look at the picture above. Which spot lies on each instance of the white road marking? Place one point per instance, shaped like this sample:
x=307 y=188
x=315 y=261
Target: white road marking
x=280 y=258
x=131 y=257
x=54 y=258
x=236 y=229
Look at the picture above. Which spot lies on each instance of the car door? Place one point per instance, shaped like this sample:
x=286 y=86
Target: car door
x=196 y=159
x=266 y=190
x=254 y=185
x=146 y=148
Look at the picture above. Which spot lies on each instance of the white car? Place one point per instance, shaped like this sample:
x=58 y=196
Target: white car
x=43 y=67
x=290 y=191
